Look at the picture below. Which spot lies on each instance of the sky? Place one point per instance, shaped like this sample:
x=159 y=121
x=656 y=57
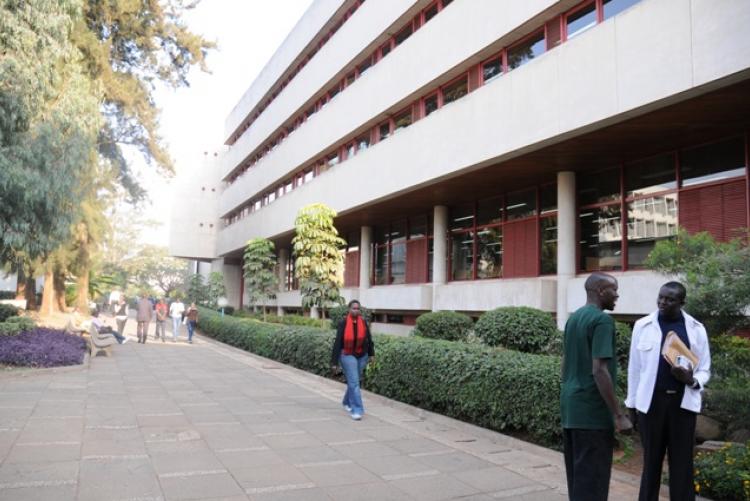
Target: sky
x=247 y=33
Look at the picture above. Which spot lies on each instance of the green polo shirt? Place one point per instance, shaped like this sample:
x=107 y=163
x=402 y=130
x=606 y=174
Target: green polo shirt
x=589 y=334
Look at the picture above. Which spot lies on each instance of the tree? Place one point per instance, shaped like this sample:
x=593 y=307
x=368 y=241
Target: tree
x=318 y=258
x=196 y=289
x=259 y=267
x=215 y=288
x=153 y=267
x=716 y=274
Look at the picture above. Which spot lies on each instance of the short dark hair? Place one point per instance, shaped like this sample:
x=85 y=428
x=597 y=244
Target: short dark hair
x=353 y=301
x=677 y=286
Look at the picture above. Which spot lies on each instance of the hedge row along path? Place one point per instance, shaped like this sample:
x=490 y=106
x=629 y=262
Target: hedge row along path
x=208 y=421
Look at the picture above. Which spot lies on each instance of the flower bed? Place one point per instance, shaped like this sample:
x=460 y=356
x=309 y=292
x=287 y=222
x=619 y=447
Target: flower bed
x=42 y=347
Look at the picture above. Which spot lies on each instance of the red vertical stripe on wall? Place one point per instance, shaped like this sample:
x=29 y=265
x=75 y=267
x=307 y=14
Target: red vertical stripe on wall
x=351 y=269
x=720 y=209
x=734 y=203
x=520 y=257
x=416 y=261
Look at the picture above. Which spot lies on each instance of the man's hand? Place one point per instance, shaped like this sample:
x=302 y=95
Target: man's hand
x=633 y=416
x=683 y=375
x=623 y=424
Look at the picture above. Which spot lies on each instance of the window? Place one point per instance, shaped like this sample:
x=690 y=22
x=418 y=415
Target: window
x=548 y=238
x=492 y=69
x=490 y=252
x=713 y=162
x=402 y=35
x=651 y=175
x=430 y=104
x=430 y=12
x=580 y=20
x=363 y=143
x=462 y=256
x=308 y=176
x=601 y=238
x=526 y=51
x=384 y=130
x=350 y=79
x=402 y=120
x=649 y=220
x=490 y=211
x=598 y=187
x=614 y=7
x=385 y=49
x=351 y=150
x=364 y=65
x=548 y=198
x=455 y=90
x=333 y=159
x=521 y=204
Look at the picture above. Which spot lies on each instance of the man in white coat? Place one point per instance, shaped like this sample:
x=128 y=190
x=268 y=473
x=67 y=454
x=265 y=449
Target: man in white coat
x=667 y=399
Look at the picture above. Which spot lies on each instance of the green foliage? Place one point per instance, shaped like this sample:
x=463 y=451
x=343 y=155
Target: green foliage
x=318 y=258
x=728 y=392
x=717 y=277
x=151 y=266
x=517 y=328
x=259 y=266
x=215 y=289
x=7 y=311
x=338 y=313
x=10 y=329
x=25 y=323
x=623 y=335
x=497 y=389
x=286 y=319
x=724 y=475
x=196 y=289
x=448 y=325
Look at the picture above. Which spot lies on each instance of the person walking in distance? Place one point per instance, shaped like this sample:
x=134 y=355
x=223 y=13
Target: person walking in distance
x=588 y=406
x=353 y=348
x=666 y=400
x=121 y=314
x=192 y=320
x=143 y=318
x=176 y=309
x=161 y=318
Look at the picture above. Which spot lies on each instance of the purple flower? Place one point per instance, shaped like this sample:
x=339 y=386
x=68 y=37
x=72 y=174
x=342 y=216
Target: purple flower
x=42 y=347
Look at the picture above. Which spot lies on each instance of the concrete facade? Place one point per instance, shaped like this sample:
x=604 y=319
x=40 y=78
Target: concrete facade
x=538 y=123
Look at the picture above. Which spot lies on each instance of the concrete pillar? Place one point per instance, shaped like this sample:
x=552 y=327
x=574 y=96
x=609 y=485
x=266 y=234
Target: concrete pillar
x=440 y=244
x=282 y=262
x=365 y=256
x=566 y=241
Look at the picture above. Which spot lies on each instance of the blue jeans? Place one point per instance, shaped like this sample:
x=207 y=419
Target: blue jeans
x=176 y=327
x=353 y=368
x=191 y=328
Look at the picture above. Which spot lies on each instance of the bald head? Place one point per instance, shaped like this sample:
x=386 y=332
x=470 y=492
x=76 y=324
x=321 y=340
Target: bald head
x=597 y=280
x=601 y=290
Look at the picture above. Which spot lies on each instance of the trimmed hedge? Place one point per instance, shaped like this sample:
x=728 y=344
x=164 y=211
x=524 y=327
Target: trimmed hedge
x=338 y=313
x=7 y=311
x=448 y=325
x=517 y=328
x=498 y=389
x=288 y=319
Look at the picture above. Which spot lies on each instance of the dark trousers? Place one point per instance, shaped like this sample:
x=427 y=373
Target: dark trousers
x=588 y=463
x=142 y=331
x=667 y=427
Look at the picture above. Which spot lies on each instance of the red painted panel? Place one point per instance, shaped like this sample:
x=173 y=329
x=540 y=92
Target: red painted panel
x=416 y=261
x=351 y=269
x=734 y=202
x=718 y=209
x=520 y=256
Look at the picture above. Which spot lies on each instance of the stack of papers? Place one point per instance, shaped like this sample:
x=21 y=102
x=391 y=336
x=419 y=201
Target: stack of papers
x=677 y=354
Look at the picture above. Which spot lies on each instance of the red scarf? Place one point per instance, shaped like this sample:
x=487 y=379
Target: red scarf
x=354 y=346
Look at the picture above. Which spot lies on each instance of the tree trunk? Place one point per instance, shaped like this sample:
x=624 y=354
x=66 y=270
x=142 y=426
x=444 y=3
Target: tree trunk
x=20 y=282
x=82 y=301
x=30 y=290
x=48 y=294
x=59 y=281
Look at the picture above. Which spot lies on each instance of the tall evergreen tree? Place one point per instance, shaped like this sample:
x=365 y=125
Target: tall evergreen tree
x=259 y=266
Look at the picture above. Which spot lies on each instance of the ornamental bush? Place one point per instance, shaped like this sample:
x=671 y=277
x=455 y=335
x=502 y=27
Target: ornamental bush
x=448 y=325
x=287 y=319
x=338 y=313
x=498 y=389
x=517 y=328
x=724 y=475
x=9 y=328
x=42 y=347
x=728 y=392
x=7 y=311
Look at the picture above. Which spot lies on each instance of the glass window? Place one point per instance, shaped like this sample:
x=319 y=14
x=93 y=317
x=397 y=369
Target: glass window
x=581 y=20
x=352 y=241
x=430 y=12
x=601 y=238
x=651 y=175
x=462 y=217
x=381 y=264
x=350 y=150
x=364 y=66
x=385 y=130
x=526 y=51
x=385 y=49
x=350 y=79
x=492 y=69
x=548 y=198
x=418 y=227
x=381 y=234
x=398 y=231
x=614 y=7
x=446 y=3
x=256 y=205
x=647 y=224
x=548 y=230
x=288 y=186
x=430 y=255
x=462 y=256
x=398 y=263
x=430 y=104
x=598 y=187
x=402 y=120
x=332 y=159
x=713 y=162
x=490 y=253
x=363 y=143
x=490 y=211
x=308 y=176
x=402 y=35
x=456 y=90
x=521 y=204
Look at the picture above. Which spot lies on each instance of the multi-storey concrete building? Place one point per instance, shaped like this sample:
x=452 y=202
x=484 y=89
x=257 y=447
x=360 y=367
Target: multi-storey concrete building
x=483 y=153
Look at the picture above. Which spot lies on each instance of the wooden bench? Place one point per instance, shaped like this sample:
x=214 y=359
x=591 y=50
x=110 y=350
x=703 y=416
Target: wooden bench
x=100 y=342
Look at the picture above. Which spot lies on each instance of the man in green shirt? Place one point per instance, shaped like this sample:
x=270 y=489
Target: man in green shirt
x=590 y=411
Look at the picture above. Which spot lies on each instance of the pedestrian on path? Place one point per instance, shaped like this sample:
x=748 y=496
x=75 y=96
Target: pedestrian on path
x=121 y=314
x=353 y=348
x=667 y=399
x=176 y=311
x=143 y=318
x=161 y=318
x=590 y=411
x=192 y=320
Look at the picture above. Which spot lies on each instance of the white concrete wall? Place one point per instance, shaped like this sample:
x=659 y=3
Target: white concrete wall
x=194 y=219
x=482 y=295
x=638 y=291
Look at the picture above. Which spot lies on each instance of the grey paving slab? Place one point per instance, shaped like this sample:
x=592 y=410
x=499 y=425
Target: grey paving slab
x=209 y=422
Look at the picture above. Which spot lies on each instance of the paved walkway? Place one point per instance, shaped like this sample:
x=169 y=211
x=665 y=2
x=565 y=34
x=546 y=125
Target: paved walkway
x=207 y=421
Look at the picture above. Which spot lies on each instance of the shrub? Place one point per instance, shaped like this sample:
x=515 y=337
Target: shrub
x=728 y=392
x=518 y=328
x=338 y=313
x=498 y=389
x=9 y=328
x=26 y=323
x=724 y=475
x=228 y=310
x=448 y=325
x=7 y=294
x=623 y=336
x=288 y=319
x=42 y=347
x=6 y=311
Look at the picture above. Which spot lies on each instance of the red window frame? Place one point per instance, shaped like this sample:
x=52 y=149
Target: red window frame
x=598 y=12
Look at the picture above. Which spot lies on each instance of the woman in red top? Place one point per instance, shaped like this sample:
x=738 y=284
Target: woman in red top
x=353 y=348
